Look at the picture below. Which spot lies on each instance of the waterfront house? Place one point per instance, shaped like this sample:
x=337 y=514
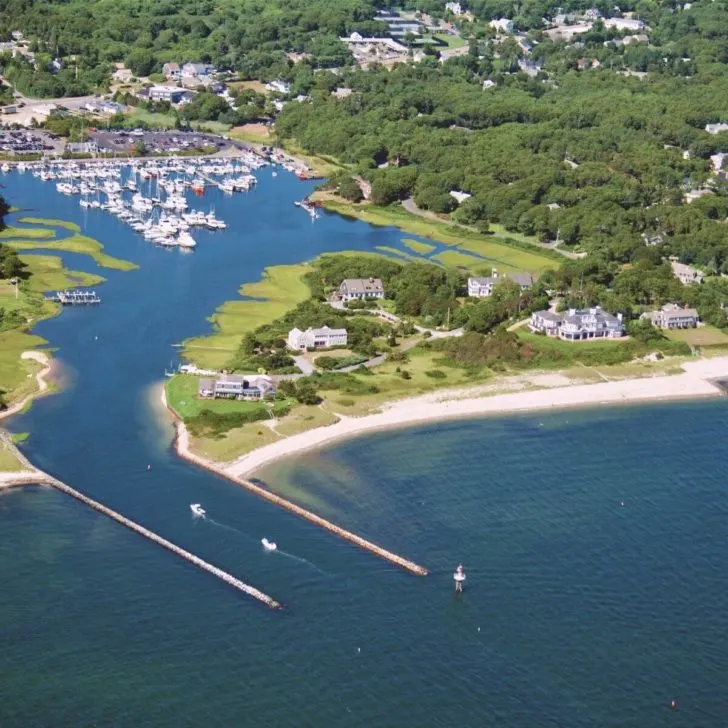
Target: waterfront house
x=578 y=324
x=359 y=289
x=672 y=316
x=483 y=287
x=686 y=274
x=254 y=387
x=316 y=338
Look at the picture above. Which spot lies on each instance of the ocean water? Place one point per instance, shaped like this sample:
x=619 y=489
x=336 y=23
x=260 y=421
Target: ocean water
x=578 y=610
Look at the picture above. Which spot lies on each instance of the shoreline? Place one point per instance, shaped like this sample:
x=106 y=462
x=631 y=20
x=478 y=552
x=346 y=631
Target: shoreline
x=696 y=382
x=43 y=388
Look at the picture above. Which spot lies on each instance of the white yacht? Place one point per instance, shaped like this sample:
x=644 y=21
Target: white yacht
x=197 y=510
x=268 y=545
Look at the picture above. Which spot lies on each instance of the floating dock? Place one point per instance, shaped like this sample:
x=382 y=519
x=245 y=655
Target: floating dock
x=76 y=298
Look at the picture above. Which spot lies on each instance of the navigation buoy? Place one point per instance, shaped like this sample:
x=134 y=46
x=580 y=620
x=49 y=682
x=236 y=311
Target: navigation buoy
x=673 y=705
x=459 y=577
x=149 y=467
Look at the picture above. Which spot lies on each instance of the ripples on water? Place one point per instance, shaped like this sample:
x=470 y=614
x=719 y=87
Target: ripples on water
x=577 y=611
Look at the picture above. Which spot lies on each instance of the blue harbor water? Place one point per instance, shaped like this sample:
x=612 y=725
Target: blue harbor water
x=594 y=541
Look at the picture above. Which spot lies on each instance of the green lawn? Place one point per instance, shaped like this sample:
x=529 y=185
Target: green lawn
x=234 y=443
x=17 y=375
x=451 y=41
x=702 y=336
x=280 y=290
x=9 y=463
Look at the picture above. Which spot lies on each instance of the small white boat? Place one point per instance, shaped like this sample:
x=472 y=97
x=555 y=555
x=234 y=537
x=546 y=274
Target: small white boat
x=268 y=545
x=198 y=510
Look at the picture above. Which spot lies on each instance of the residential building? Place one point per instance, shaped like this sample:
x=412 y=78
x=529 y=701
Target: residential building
x=483 y=287
x=567 y=32
x=716 y=128
x=672 y=316
x=238 y=386
x=454 y=8
x=279 y=86
x=578 y=324
x=502 y=25
x=686 y=274
x=624 y=24
x=359 y=289
x=316 y=338
x=172 y=71
x=459 y=196
x=197 y=70
x=530 y=68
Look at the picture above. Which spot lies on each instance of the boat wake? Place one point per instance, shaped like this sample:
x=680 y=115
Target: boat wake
x=302 y=561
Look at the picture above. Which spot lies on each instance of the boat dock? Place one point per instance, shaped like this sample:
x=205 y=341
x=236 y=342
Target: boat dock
x=32 y=476
x=76 y=298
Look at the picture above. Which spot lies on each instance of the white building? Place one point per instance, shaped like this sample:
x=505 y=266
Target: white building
x=686 y=274
x=279 y=86
x=672 y=316
x=459 y=196
x=488 y=83
x=716 y=128
x=624 y=24
x=483 y=287
x=578 y=324
x=360 y=289
x=454 y=8
x=502 y=25
x=316 y=338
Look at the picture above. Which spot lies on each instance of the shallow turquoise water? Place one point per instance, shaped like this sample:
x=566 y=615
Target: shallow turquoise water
x=590 y=613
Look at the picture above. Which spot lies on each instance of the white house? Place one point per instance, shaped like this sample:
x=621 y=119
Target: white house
x=454 y=8
x=279 y=86
x=172 y=71
x=624 y=24
x=316 y=338
x=483 y=287
x=578 y=324
x=237 y=386
x=360 y=289
x=503 y=25
x=686 y=274
x=716 y=128
x=672 y=316
x=459 y=196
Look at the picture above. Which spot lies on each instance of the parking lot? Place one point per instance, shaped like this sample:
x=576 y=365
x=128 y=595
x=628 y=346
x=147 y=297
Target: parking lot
x=160 y=142
x=24 y=142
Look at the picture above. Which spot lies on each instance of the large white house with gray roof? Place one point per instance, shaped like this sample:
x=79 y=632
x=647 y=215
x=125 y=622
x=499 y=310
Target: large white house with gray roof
x=578 y=324
x=237 y=386
x=316 y=338
x=672 y=316
x=360 y=289
x=483 y=287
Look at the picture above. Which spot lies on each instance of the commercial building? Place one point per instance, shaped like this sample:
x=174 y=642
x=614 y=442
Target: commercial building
x=316 y=338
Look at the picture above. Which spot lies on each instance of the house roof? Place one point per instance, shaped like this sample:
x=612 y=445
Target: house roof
x=207 y=384
x=362 y=285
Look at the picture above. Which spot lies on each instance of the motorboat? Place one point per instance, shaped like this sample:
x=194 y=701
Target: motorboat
x=199 y=511
x=268 y=545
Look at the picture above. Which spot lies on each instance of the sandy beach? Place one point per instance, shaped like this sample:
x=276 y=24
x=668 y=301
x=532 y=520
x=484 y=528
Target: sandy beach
x=694 y=383
x=43 y=359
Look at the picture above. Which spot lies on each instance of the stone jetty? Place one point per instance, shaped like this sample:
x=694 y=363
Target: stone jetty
x=33 y=476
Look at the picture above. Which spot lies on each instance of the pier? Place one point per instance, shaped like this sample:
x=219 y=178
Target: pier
x=37 y=477
x=76 y=298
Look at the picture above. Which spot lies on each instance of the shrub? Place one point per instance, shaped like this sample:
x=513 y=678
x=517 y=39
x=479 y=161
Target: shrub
x=405 y=374
x=435 y=374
